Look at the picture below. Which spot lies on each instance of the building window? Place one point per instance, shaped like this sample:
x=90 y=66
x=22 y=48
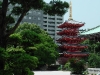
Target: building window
x=30 y=11
x=45 y=29
x=59 y=22
x=45 y=17
x=38 y=18
x=24 y=17
x=39 y=13
x=30 y=18
x=51 y=18
x=34 y=12
x=45 y=25
x=45 y=21
x=59 y=18
x=51 y=22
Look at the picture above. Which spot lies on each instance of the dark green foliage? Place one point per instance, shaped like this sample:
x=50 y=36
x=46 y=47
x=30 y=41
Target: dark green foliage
x=3 y=62
x=29 y=38
x=23 y=60
x=23 y=64
x=46 y=53
x=17 y=10
x=6 y=72
x=16 y=61
x=93 y=46
x=10 y=20
x=94 y=60
x=14 y=40
x=35 y=4
x=56 y=6
x=94 y=51
x=3 y=57
x=77 y=66
x=36 y=42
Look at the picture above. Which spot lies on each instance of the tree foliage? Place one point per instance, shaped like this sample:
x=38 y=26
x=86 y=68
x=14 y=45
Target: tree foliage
x=76 y=66
x=36 y=42
x=93 y=49
x=94 y=60
x=16 y=61
x=23 y=61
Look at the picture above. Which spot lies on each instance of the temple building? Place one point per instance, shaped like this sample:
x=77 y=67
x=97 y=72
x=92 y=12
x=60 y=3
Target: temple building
x=70 y=41
x=92 y=34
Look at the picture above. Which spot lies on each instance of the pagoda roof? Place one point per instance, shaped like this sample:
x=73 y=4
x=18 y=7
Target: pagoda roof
x=91 y=31
x=75 y=22
x=76 y=52
x=71 y=24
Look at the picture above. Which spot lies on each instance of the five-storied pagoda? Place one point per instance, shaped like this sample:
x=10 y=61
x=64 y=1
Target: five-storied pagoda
x=70 y=41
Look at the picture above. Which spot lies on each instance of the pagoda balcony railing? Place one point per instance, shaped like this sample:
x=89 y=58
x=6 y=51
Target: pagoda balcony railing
x=66 y=44
x=67 y=34
x=68 y=31
x=73 y=47
x=71 y=39
x=69 y=42
x=76 y=53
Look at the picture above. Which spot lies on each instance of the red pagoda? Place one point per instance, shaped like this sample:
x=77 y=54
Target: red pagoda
x=70 y=40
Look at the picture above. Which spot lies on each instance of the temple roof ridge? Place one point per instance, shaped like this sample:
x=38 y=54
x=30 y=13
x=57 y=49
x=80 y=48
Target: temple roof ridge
x=92 y=30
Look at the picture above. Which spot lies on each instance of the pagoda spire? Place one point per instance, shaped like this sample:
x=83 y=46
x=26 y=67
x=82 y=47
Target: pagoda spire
x=70 y=11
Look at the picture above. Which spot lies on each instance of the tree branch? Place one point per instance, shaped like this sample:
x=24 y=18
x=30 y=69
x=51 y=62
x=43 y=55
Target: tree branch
x=17 y=24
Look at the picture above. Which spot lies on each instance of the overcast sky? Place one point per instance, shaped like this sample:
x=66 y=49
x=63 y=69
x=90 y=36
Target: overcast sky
x=87 y=11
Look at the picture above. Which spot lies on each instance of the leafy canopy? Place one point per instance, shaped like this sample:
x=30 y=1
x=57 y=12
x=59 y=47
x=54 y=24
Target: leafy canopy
x=36 y=42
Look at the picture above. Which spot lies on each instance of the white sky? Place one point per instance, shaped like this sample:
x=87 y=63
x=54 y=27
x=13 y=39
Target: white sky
x=87 y=11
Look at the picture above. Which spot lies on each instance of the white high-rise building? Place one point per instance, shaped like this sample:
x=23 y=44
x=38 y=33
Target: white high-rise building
x=47 y=22
x=50 y=24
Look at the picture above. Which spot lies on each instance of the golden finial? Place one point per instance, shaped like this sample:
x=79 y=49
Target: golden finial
x=70 y=11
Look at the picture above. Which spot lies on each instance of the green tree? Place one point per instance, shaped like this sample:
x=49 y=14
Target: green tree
x=20 y=8
x=46 y=53
x=14 y=40
x=3 y=57
x=21 y=63
x=94 y=53
x=77 y=66
x=94 y=60
x=36 y=42
x=93 y=46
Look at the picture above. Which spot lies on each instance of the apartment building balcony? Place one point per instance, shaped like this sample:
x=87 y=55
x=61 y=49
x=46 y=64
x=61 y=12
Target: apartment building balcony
x=51 y=28
x=45 y=23
x=51 y=32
